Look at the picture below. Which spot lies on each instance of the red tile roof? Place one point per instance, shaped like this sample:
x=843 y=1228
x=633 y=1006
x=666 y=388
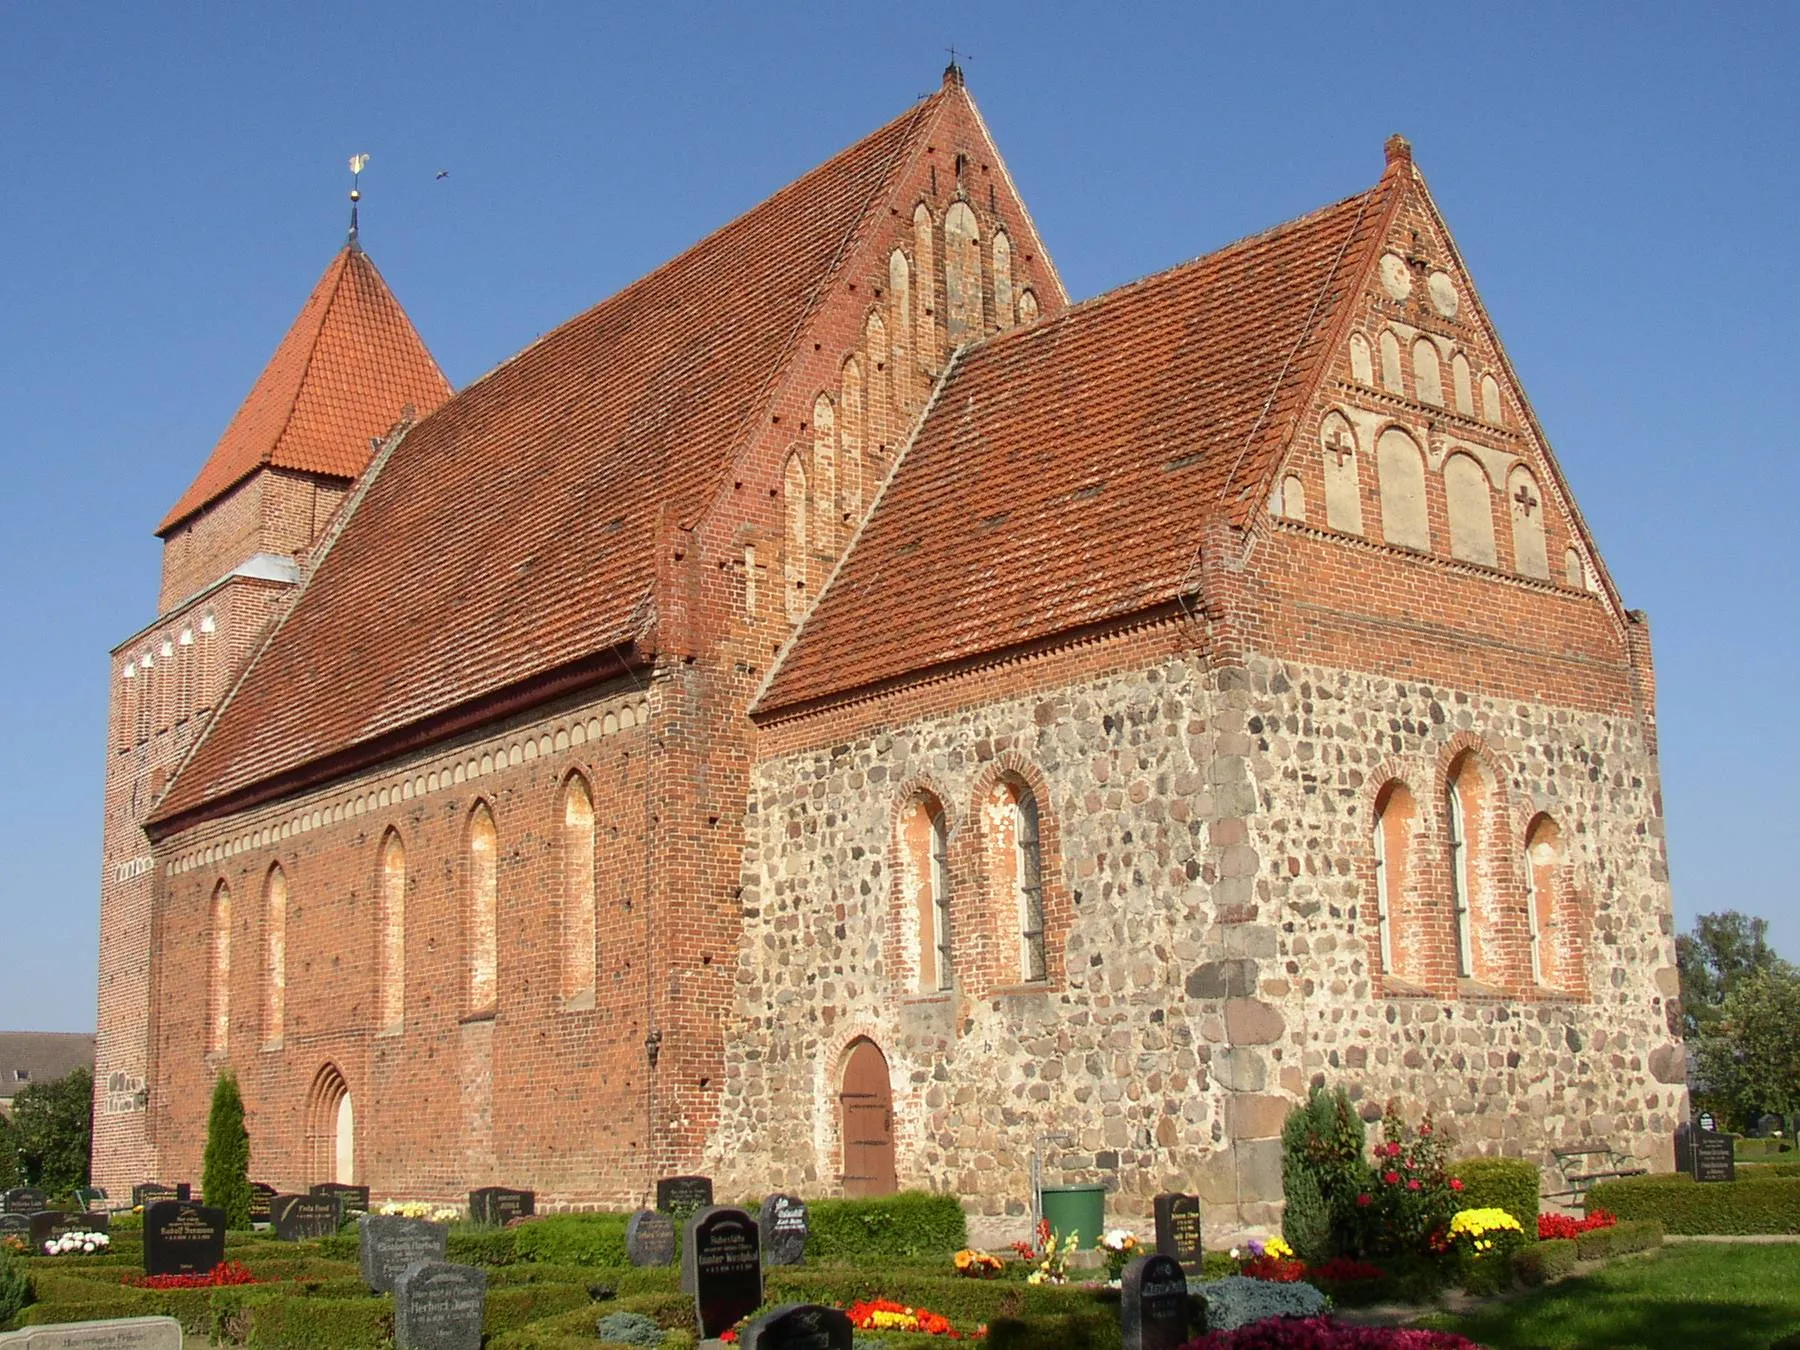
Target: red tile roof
x=348 y=366
x=512 y=534
x=1064 y=471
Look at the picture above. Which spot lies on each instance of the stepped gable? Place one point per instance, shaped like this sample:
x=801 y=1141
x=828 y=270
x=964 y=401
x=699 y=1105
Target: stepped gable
x=1064 y=471
x=343 y=374
x=509 y=540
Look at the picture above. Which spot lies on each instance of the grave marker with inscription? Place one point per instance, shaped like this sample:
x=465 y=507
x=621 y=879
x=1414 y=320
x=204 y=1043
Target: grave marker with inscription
x=15 y=1225
x=800 y=1326
x=148 y=1193
x=24 y=1200
x=355 y=1199
x=262 y=1200
x=1153 y=1304
x=439 y=1306
x=49 y=1224
x=1178 y=1232
x=650 y=1238
x=679 y=1195
x=389 y=1244
x=784 y=1230
x=721 y=1266
x=500 y=1205
x=118 y=1333
x=302 y=1218
x=1715 y=1157
x=182 y=1238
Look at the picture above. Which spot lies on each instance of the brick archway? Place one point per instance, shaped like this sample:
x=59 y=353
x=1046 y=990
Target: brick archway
x=866 y=1122
x=330 y=1128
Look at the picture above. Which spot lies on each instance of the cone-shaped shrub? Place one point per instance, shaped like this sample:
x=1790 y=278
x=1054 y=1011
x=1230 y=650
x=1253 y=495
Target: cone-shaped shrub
x=225 y=1177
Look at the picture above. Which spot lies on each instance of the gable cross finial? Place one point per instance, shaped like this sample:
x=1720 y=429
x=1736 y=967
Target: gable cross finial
x=357 y=164
x=953 y=73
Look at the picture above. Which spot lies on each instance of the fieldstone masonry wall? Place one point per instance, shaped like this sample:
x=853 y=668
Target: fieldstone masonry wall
x=1214 y=839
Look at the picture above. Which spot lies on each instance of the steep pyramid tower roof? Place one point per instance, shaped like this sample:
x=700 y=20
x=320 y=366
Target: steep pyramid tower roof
x=348 y=366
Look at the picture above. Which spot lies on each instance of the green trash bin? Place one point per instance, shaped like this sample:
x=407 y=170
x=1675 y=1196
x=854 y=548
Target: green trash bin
x=1080 y=1210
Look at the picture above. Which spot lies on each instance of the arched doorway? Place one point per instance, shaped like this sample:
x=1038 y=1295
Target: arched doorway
x=330 y=1129
x=866 y=1117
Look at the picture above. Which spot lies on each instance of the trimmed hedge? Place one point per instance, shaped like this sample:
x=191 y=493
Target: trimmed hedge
x=474 y=1246
x=912 y=1223
x=573 y=1240
x=1539 y=1263
x=1628 y=1235
x=964 y=1301
x=1683 y=1205
x=1511 y=1184
x=510 y=1308
x=1746 y=1170
x=273 y=1319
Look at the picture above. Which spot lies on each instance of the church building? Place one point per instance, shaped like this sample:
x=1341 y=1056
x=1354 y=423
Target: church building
x=838 y=715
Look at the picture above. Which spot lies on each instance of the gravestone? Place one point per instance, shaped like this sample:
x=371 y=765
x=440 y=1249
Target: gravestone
x=500 y=1205
x=355 y=1199
x=1153 y=1304
x=1684 y=1148
x=118 y=1333
x=721 y=1266
x=49 y=1224
x=262 y=1199
x=15 y=1225
x=184 y=1191
x=679 y=1195
x=1178 y=1229
x=182 y=1238
x=389 y=1244
x=800 y=1326
x=1767 y=1126
x=1715 y=1158
x=303 y=1218
x=149 y=1192
x=439 y=1306
x=1708 y=1122
x=24 y=1200
x=650 y=1238
x=783 y=1226
x=90 y=1198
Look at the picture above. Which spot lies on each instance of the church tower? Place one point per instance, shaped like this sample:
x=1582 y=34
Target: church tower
x=350 y=371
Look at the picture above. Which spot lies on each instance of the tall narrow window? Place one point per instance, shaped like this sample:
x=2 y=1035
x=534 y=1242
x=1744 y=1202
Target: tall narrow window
x=390 y=989
x=218 y=1002
x=207 y=677
x=940 y=895
x=1526 y=503
x=1003 y=287
x=878 y=421
x=578 y=892
x=1469 y=505
x=184 y=700
x=900 y=324
x=925 y=344
x=824 y=475
x=925 y=891
x=1554 y=950
x=793 y=560
x=1384 y=903
x=1459 y=873
x=1031 y=887
x=275 y=954
x=1401 y=471
x=1362 y=364
x=1427 y=373
x=483 y=910
x=850 y=439
x=1463 y=384
x=962 y=273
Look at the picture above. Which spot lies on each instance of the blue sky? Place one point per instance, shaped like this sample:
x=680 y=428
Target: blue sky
x=1620 y=180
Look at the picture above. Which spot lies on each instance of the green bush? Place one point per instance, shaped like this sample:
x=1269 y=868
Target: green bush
x=1682 y=1205
x=15 y=1288
x=910 y=1224
x=471 y=1245
x=1511 y=1184
x=1322 y=1172
x=572 y=1240
x=273 y=1319
x=1071 y=1331
x=1538 y=1263
x=511 y=1308
x=1748 y=1170
x=1629 y=1235
x=225 y=1171
x=965 y=1302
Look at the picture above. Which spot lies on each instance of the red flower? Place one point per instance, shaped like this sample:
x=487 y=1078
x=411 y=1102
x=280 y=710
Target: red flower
x=1362 y=1199
x=1393 y=1149
x=1455 y=1185
x=1413 y=1185
x=1391 y=1178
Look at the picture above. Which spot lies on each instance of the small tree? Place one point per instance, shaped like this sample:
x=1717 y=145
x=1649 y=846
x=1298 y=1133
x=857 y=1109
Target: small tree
x=1322 y=1173
x=1750 y=1060
x=53 y=1131
x=9 y=1156
x=225 y=1175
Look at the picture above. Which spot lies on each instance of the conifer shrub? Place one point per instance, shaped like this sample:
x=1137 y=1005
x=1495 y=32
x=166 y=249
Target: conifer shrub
x=225 y=1172
x=1322 y=1173
x=15 y=1288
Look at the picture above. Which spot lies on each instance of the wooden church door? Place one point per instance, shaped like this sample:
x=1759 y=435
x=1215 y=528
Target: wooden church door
x=867 y=1119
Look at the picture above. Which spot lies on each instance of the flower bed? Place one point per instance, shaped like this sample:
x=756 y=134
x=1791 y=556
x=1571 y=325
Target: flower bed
x=1551 y=1226
x=1239 y=1301
x=1324 y=1333
x=78 y=1244
x=221 y=1276
x=886 y=1315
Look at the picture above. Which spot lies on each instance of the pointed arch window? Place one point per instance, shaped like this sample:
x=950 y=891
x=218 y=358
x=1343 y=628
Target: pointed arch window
x=1525 y=502
x=878 y=391
x=824 y=474
x=275 y=903
x=1428 y=376
x=1401 y=469
x=1028 y=307
x=962 y=273
x=1362 y=363
x=1003 y=284
x=1469 y=504
x=1462 y=385
x=1457 y=818
x=482 y=909
x=900 y=323
x=1031 y=887
x=218 y=1001
x=793 y=560
x=850 y=438
x=579 y=936
x=924 y=289
x=1391 y=379
x=925 y=873
x=390 y=920
x=1555 y=941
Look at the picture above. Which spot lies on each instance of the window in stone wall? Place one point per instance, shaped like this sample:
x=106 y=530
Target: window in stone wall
x=275 y=903
x=1030 y=876
x=793 y=560
x=482 y=924
x=390 y=922
x=1428 y=376
x=218 y=1001
x=925 y=878
x=1525 y=502
x=579 y=937
x=1553 y=938
x=1461 y=878
x=1469 y=503
x=962 y=274
x=1395 y=813
x=1401 y=469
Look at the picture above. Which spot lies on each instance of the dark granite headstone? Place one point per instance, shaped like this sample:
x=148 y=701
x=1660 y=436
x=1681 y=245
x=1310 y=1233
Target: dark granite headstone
x=148 y=1193
x=500 y=1205
x=1715 y=1158
x=355 y=1199
x=1153 y=1304
x=1178 y=1229
x=262 y=1198
x=49 y=1224
x=1684 y=1148
x=90 y=1198
x=721 y=1266
x=15 y=1225
x=650 y=1238
x=784 y=1230
x=681 y=1195
x=439 y=1306
x=184 y=1191
x=800 y=1326
x=389 y=1244
x=1767 y=1126
x=24 y=1200
x=303 y=1218
x=182 y=1238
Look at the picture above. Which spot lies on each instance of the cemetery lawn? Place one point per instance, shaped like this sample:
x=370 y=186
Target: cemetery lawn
x=1718 y=1295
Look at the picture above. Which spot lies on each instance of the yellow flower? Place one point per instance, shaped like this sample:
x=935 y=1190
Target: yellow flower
x=1278 y=1249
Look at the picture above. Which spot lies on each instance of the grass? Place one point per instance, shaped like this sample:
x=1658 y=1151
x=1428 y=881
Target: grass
x=1690 y=1296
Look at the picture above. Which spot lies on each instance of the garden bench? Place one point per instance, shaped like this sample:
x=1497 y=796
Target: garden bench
x=1578 y=1172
